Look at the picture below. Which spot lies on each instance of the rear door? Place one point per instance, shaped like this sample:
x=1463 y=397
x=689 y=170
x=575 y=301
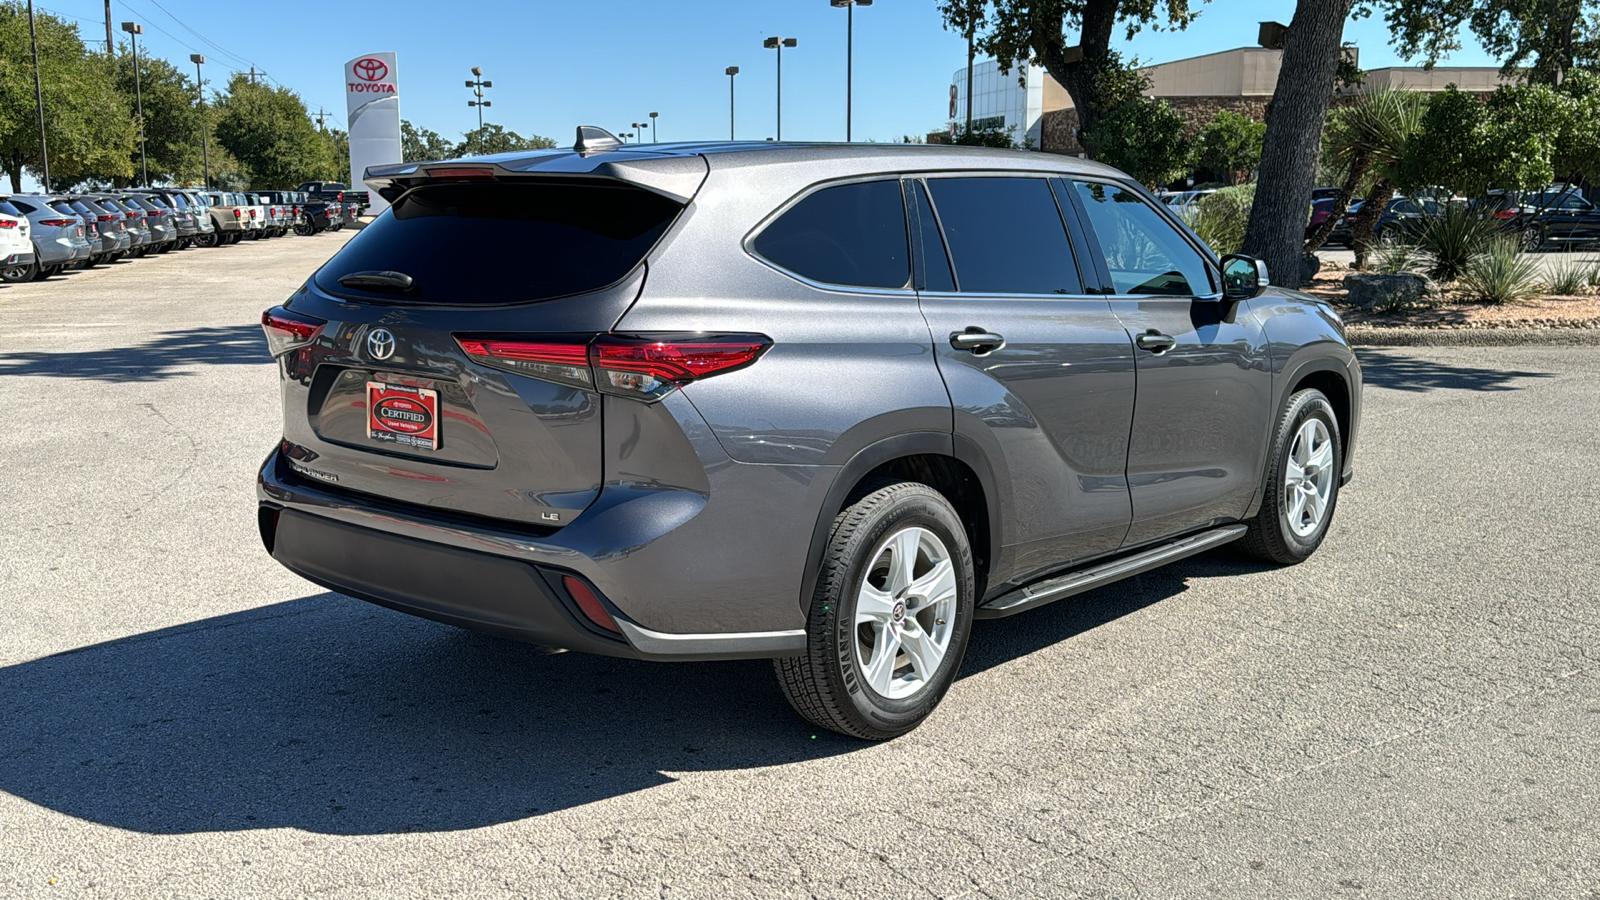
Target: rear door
x=1039 y=370
x=1204 y=404
x=386 y=401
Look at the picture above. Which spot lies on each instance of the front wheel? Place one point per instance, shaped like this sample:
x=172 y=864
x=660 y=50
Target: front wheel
x=1533 y=239
x=890 y=618
x=1302 y=482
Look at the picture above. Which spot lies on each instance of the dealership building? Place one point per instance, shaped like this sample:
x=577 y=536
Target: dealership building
x=1034 y=106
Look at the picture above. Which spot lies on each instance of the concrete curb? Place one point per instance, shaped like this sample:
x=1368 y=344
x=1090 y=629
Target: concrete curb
x=1373 y=336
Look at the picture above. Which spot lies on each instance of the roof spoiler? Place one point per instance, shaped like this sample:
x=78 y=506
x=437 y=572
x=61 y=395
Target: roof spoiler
x=593 y=139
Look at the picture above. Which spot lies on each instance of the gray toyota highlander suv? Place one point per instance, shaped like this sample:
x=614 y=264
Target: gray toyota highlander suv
x=824 y=404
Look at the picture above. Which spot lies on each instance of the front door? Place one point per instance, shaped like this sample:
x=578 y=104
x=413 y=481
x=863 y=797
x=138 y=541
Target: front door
x=1197 y=448
x=1040 y=372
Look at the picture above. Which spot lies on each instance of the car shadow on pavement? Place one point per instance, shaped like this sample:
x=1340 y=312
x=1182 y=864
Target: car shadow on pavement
x=334 y=716
x=1397 y=371
x=166 y=356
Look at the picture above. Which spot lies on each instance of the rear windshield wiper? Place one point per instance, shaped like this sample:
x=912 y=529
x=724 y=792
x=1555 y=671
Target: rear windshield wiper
x=383 y=280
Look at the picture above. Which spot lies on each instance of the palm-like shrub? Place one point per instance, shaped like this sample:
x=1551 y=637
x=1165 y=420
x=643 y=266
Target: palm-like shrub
x=1401 y=258
x=1570 y=276
x=1502 y=273
x=1452 y=238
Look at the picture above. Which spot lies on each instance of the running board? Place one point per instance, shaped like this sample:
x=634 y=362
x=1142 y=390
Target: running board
x=1051 y=589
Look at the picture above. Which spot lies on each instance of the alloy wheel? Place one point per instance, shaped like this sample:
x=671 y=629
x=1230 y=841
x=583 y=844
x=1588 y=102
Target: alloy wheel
x=905 y=613
x=1308 y=478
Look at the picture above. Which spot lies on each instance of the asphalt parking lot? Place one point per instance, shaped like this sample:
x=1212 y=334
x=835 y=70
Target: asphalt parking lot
x=1413 y=712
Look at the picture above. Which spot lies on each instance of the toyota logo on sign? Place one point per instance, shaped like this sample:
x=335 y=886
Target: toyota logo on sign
x=380 y=344
x=370 y=69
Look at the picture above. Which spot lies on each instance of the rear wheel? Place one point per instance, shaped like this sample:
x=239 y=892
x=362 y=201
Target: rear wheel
x=1302 y=482
x=890 y=618
x=20 y=273
x=1533 y=239
x=206 y=240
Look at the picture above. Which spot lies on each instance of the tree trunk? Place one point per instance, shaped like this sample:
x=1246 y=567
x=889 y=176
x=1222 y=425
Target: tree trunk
x=1082 y=78
x=14 y=169
x=1276 y=232
x=1341 y=202
x=1367 y=219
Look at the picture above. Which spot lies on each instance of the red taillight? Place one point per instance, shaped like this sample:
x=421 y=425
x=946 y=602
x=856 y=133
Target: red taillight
x=567 y=361
x=156 y=212
x=130 y=215
x=287 y=330
x=107 y=218
x=252 y=214
x=1506 y=214
x=589 y=604
x=642 y=367
x=273 y=211
x=654 y=367
x=58 y=223
x=236 y=213
x=459 y=173
x=8 y=223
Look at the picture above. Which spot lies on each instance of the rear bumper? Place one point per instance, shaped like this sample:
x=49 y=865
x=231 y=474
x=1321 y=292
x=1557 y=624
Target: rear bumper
x=474 y=575
x=17 y=259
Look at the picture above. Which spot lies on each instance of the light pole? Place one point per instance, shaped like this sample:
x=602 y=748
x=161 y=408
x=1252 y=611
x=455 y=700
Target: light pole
x=849 y=54
x=730 y=72
x=653 y=126
x=639 y=125
x=477 y=83
x=778 y=43
x=38 y=98
x=205 y=139
x=134 y=29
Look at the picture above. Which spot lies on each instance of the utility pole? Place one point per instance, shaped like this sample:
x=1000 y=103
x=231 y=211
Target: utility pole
x=321 y=115
x=38 y=98
x=969 y=80
x=252 y=74
x=111 y=49
x=205 y=127
x=134 y=29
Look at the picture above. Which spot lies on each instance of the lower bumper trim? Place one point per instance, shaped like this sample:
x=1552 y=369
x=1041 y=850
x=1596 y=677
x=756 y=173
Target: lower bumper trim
x=733 y=645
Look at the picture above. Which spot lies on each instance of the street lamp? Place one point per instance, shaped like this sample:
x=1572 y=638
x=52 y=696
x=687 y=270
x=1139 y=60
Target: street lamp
x=134 y=30
x=778 y=43
x=849 y=54
x=638 y=125
x=205 y=139
x=730 y=72
x=653 y=126
x=38 y=98
x=477 y=83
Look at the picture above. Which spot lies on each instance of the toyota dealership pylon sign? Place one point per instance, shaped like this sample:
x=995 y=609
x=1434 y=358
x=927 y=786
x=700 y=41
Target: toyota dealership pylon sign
x=372 y=97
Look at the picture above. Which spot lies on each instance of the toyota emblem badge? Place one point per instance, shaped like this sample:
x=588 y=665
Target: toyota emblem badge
x=380 y=343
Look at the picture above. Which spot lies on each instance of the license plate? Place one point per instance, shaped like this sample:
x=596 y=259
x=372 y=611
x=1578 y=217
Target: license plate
x=399 y=414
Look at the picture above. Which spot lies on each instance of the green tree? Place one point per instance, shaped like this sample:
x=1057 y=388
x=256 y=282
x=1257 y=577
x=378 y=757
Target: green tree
x=1146 y=139
x=1231 y=144
x=269 y=132
x=1042 y=31
x=985 y=136
x=89 y=128
x=1522 y=138
x=338 y=145
x=492 y=138
x=172 y=118
x=1556 y=35
x=423 y=144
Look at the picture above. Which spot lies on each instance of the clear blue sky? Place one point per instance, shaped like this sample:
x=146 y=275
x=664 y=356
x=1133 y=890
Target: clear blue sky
x=610 y=62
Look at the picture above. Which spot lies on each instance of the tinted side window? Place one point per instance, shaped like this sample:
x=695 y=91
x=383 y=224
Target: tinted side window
x=1145 y=254
x=935 y=262
x=1005 y=236
x=8 y=209
x=852 y=234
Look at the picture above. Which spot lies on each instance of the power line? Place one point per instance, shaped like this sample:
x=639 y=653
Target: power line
x=209 y=42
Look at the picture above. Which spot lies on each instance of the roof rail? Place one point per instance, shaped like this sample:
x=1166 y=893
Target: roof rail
x=593 y=138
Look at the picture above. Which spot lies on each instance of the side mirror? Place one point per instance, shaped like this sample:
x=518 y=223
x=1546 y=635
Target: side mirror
x=1243 y=277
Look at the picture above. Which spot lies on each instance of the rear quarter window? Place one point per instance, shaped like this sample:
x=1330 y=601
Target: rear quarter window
x=853 y=235
x=7 y=209
x=503 y=243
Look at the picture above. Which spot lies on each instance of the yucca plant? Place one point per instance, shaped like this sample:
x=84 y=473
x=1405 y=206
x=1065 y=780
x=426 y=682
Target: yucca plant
x=1570 y=276
x=1400 y=258
x=1502 y=273
x=1220 y=218
x=1453 y=238
x=1594 y=276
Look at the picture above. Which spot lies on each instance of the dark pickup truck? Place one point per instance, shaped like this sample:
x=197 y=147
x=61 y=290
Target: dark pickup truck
x=352 y=203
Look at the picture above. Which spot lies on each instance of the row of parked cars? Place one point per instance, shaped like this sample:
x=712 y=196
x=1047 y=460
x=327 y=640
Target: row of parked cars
x=43 y=234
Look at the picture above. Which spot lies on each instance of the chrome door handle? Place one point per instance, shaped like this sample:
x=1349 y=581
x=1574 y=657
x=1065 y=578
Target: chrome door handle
x=977 y=340
x=1155 y=341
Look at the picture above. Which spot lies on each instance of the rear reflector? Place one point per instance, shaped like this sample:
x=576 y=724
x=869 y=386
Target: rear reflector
x=589 y=604
x=287 y=330
x=645 y=368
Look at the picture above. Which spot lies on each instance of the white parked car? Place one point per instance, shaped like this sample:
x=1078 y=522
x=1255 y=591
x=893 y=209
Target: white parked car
x=16 y=242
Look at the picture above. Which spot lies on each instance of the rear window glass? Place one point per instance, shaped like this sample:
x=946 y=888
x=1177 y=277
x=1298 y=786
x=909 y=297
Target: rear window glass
x=504 y=243
x=8 y=209
x=64 y=208
x=853 y=234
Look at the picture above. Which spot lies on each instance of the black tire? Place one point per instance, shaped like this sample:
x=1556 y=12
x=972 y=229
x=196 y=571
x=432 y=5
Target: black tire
x=826 y=684
x=1271 y=536
x=1533 y=239
x=20 y=273
x=206 y=240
